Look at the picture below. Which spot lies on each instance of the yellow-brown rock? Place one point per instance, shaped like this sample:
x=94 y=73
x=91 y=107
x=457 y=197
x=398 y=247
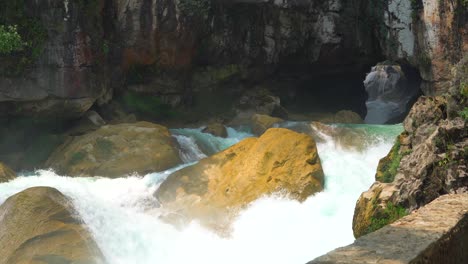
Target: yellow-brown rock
x=375 y=209
x=39 y=226
x=279 y=161
x=6 y=174
x=260 y=123
x=117 y=150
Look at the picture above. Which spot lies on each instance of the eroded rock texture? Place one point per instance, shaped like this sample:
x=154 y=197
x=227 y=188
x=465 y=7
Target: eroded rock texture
x=437 y=233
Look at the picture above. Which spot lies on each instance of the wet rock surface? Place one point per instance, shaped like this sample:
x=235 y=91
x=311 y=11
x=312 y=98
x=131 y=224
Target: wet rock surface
x=117 y=150
x=214 y=189
x=39 y=225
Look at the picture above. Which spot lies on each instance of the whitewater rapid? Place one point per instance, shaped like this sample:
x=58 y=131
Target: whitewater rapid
x=122 y=217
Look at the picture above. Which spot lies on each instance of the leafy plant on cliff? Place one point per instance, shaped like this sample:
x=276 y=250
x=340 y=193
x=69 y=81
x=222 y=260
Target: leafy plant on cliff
x=390 y=214
x=31 y=32
x=10 y=39
x=464 y=113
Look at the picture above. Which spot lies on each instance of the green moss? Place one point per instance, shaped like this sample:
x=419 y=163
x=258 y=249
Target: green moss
x=76 y=158
x=389 y=215
x=104 y=147
x=391 y=164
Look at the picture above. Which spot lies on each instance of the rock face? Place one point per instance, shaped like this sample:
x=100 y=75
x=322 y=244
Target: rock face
x=436 y=233
x=117 y=150
x=39 y=225
x=6 y=174
x=429 y=159
x=279 y=161
x=63 y=71
x=431 y=35
x=84 y=48
x=389 y=94
x=260 y=123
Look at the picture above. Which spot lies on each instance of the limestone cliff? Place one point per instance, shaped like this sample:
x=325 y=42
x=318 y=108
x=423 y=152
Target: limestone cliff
x=428 y=160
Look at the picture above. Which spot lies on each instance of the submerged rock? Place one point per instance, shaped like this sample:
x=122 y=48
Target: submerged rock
x=117 y=150
x=260 y=123
x=39 y=225
x=216 y=129
x=6 y=174
x=217 y=187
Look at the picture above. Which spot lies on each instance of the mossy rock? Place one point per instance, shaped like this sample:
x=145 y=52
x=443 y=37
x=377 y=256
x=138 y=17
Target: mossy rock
x=117 y=150
x=374 y=210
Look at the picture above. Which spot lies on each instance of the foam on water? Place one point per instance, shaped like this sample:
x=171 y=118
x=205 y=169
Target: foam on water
x=121 y=215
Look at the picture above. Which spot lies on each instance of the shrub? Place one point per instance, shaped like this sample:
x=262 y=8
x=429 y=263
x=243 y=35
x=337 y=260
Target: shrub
x=10 y=40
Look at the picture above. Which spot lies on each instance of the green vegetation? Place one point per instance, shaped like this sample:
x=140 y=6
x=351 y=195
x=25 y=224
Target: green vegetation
x=26 y=39
x=146 y=105
x=389 y=215
x=464 y=113
x=391 y=164
x=10 y=40
x=464 y=89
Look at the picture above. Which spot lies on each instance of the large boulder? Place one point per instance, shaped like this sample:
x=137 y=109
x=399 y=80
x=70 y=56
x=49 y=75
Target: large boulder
x=117 y=150
x=39 y=225
x=6 y=174
x=217 y=187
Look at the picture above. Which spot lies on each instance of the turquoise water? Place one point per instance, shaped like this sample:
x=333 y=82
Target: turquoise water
x=122 y=216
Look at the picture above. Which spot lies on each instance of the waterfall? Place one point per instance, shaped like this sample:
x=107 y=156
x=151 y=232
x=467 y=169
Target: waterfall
x=123 y=217
x=389 y=92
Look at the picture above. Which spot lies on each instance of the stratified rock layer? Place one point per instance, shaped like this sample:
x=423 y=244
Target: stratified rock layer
x=436 y=233
x=117 y=150
x=279 y=161
x=39 y=225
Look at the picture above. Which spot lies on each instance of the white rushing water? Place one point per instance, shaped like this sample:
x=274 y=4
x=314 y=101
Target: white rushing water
x=120 y=213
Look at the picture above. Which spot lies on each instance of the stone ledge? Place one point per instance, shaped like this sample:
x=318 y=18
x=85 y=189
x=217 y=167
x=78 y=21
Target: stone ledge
x=436 y=233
